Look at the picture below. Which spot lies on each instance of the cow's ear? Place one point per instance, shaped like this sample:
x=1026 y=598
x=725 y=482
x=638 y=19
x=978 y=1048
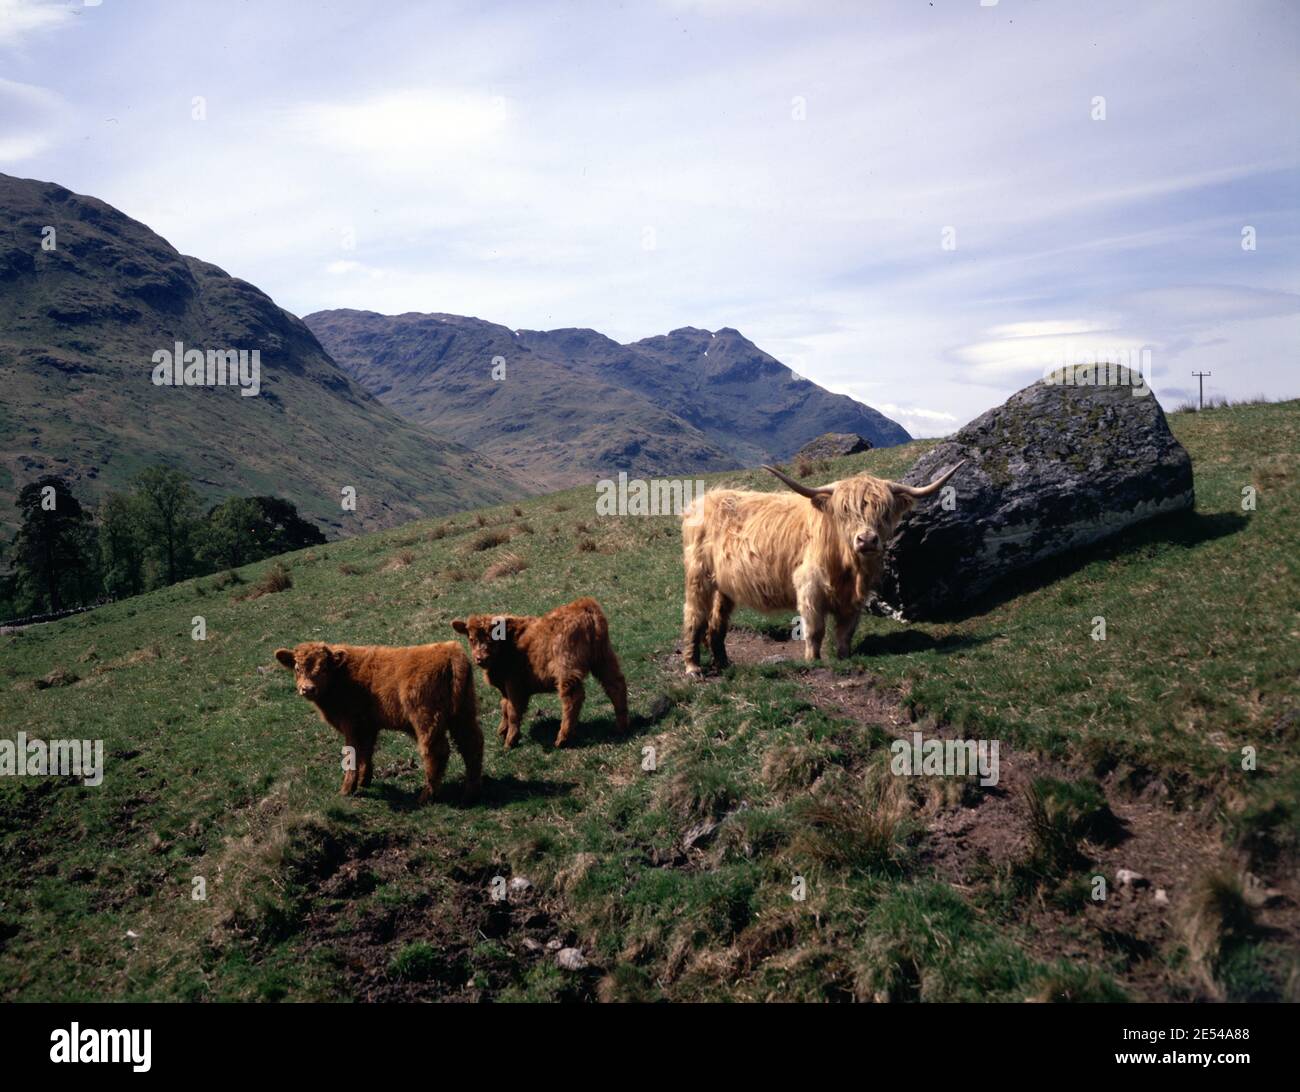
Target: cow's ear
x=338 y=657
x=458 y=624
x=285 y=656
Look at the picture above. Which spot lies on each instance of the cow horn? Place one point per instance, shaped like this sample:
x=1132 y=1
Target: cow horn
x=926 y=490
x=803 y=490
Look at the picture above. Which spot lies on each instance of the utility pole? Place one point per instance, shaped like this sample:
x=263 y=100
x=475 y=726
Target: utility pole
x=1201 y=380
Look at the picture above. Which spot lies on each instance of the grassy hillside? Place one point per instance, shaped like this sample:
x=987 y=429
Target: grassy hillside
x=677 y=883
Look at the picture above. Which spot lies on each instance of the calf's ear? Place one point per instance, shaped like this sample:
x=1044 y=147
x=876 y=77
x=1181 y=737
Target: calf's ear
x=458 y=624
x=338 y=657
x=285 y=656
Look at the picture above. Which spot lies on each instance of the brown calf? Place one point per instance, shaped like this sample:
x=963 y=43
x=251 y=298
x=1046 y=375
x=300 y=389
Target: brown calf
x=524 y=656
x=426 y=691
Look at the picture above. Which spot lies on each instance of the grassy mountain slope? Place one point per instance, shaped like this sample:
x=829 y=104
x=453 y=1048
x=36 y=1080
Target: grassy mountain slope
x=576 y=404
x=79 y=325
x=1116 y=754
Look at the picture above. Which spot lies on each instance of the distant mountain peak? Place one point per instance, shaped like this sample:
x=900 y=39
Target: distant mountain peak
x=576 y=404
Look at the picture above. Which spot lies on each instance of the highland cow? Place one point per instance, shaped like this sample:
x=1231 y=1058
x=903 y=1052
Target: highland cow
x=425 y=691
x=819 y=553
x=523 y=656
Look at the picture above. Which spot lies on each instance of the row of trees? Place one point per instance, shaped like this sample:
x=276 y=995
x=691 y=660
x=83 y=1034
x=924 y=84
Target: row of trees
x=154 y=534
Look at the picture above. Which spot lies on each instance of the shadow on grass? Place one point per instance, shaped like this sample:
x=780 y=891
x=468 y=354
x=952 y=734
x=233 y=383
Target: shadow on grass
x=894 y=643
x=497 y=790
x=1182 y=529
x=903 y=641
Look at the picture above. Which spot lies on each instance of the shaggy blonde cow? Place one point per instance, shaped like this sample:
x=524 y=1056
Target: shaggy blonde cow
x=818 y=550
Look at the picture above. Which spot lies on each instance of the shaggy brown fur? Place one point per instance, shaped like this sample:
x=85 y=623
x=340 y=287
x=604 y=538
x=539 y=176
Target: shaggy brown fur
x=426 y=691
x=820 y=553
x=523 y=656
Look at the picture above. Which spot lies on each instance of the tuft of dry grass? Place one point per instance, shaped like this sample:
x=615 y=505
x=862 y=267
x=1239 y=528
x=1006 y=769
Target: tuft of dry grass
x=1216 y=917
x=486 y=540
x=399 y=561
x=348 y=569
x=276 y=579
x=586 y=546
x=455 y=575
x=506 y=565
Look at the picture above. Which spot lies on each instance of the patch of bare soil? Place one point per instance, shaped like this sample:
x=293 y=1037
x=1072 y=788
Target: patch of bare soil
x=476 y=945
x=977 y=839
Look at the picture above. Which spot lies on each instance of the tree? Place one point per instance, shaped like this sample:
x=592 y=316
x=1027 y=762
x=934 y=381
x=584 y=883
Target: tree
x=229 y=535
x=169 y=506
x=282 y=529
x=54 y=547
x=241 y=530
x=122 y=543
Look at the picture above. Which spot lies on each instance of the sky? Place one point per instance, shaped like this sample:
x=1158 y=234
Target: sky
x=924 y=206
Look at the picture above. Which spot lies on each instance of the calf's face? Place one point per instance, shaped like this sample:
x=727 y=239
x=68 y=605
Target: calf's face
x=488 y=636
x=314 y=665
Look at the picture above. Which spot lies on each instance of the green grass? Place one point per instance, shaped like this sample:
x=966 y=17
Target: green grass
x=216 y=769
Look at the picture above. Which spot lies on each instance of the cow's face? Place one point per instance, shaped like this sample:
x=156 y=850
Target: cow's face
x=489 y=636
x=314 y=665
x=860 y=514
x=865 y=513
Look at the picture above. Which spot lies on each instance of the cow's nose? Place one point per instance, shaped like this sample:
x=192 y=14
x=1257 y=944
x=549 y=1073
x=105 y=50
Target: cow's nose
x=866 y=540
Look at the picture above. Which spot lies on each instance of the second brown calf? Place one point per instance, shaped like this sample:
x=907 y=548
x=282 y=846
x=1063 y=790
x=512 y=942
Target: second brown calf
x=523 y=656
x=425 y=691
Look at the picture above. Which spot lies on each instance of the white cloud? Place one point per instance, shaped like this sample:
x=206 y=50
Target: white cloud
x=21 y=18
x=30 y=118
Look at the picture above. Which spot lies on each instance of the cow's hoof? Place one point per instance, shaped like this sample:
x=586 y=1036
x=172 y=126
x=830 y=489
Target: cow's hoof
x=693 y=671
x=426 y=794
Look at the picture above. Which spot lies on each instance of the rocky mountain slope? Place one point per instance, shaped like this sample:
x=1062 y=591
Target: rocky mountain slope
x=572 y=404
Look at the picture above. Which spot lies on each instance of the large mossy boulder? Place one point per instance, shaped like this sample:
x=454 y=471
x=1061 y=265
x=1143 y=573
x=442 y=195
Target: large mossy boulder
x=1052 y=471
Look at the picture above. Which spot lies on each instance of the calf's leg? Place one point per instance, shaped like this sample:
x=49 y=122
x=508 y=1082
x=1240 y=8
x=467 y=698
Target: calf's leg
x=351 y=760
x=469 y=742
x=516 y=705
x=431 y=735
x=571 y=697
x=365 y=744
x=610 y=676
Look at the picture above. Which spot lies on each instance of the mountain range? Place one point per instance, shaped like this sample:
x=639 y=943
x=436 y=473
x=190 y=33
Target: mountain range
x=83 y=310
x=568 y=405
x=419 y=414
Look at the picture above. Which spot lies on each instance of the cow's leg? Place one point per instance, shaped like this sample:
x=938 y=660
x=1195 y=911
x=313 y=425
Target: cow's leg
x=719 y=618
x=469 y=742
x=516 y=707
x=610 y=676
x=504 y=726
x=846 y=625
x=571 y=698
x=695 y=618
x=813 y=613
x=349 y=785
x=365 y=756
x=431 y=734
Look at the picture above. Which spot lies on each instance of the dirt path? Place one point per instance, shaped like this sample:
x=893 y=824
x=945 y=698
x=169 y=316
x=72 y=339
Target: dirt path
x=976 y=842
